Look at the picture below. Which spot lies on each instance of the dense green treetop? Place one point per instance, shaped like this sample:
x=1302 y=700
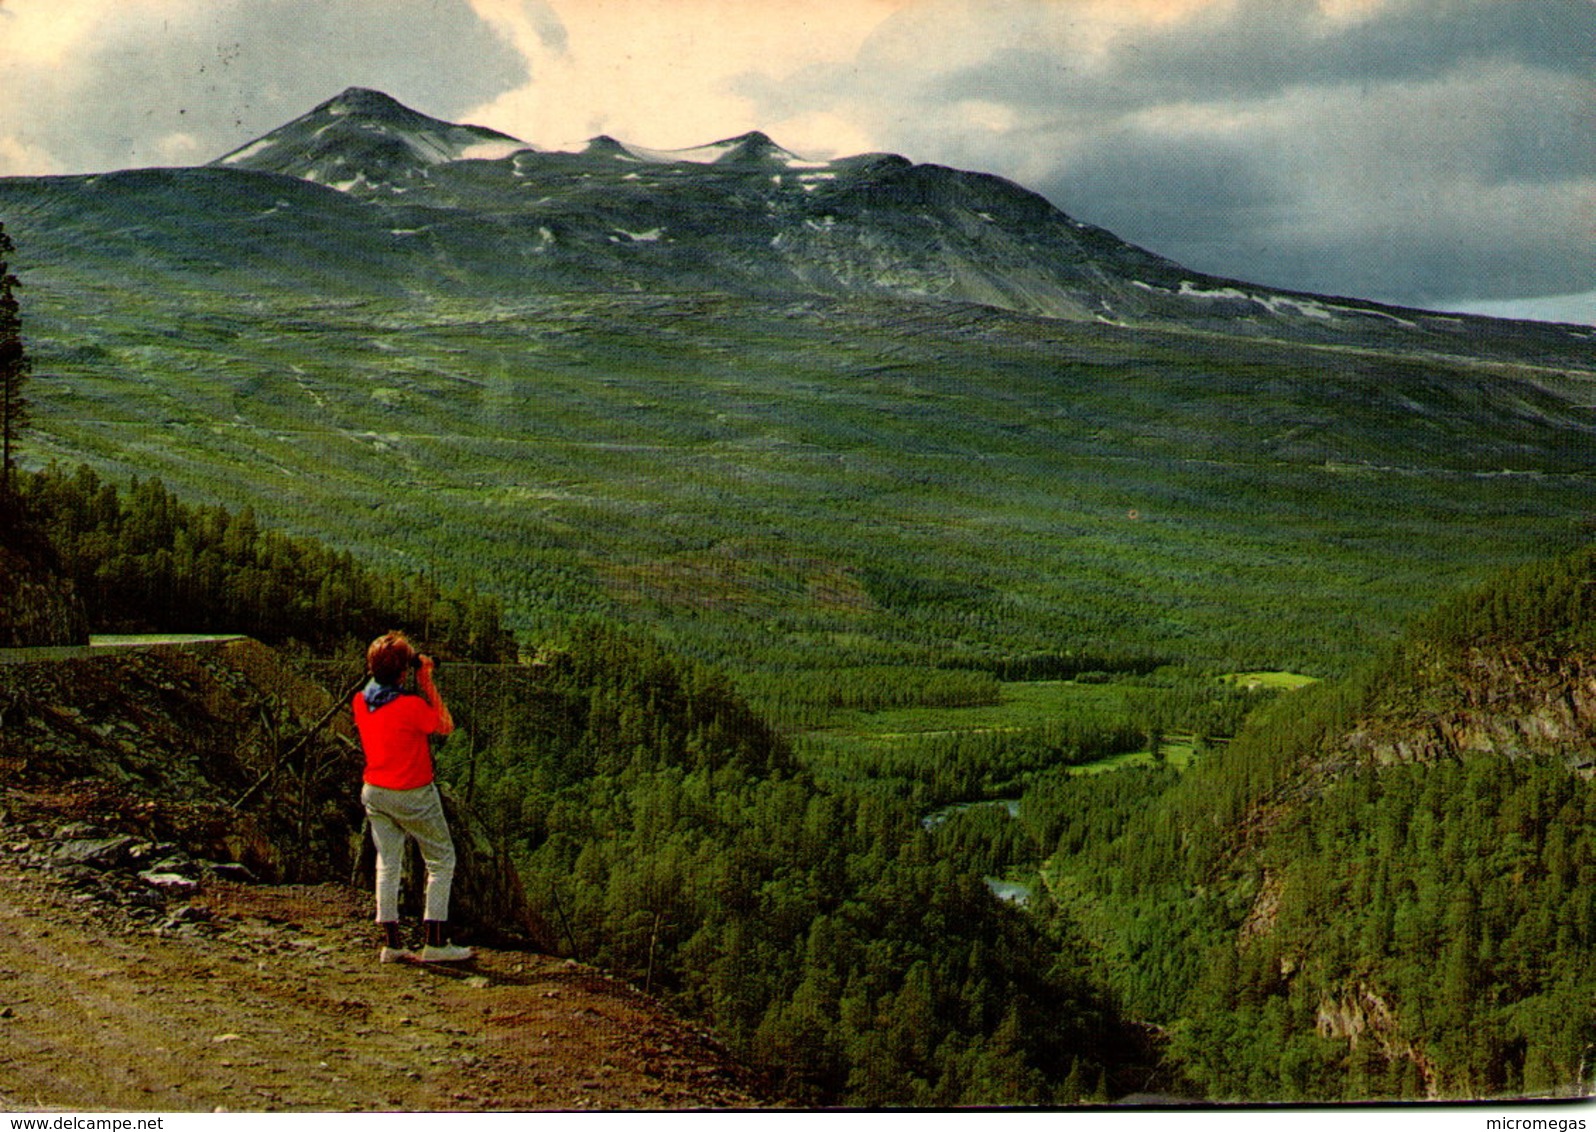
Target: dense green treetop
x=144 y=561
x=15 y=366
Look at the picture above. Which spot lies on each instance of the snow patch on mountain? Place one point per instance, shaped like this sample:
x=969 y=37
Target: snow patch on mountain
x=492 y=150
x=747 y=148
x=874 y=223
x=1275 y=304
x=364 y=141
x=697 y=155
x=239 y=156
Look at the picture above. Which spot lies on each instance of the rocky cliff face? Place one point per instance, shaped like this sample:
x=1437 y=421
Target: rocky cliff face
x=1515 y=703
x=1361 y=1015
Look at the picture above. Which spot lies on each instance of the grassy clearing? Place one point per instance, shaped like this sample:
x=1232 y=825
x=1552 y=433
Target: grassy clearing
x=1176 y=752
x=866 y=741
x=1286 y=681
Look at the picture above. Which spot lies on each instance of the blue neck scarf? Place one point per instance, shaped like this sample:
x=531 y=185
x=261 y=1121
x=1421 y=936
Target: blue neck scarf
x=378 y=694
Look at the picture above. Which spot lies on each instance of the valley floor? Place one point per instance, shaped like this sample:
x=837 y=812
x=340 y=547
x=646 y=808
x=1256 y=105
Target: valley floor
x=270 y=998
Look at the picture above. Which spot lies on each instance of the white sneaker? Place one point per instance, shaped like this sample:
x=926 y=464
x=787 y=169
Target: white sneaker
x=445 y=953
x=395 y=955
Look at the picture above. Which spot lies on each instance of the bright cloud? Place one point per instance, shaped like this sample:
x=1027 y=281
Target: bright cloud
x=1580 y=309
x=42 y=33
x=664 y=73
x=18 y=159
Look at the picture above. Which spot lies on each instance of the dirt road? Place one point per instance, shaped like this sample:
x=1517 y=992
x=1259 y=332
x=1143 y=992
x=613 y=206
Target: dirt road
x=279 y=1004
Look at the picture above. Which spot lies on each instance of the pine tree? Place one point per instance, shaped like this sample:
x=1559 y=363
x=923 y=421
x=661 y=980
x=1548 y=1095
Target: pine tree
x=14 y=369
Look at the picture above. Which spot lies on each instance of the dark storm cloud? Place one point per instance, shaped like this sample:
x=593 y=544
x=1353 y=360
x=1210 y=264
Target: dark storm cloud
x=1261 y=47
x=1264 y=47
x=187 y=89
x=1411 y=196
x=1211 y=199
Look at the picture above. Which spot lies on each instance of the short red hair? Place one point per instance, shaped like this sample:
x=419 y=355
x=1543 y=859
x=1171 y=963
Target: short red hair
x=389 y=656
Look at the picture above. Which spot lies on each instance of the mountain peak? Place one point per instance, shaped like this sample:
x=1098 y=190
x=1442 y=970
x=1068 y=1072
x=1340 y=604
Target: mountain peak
x=365 y=140
x=753 y=147
x=365 y=101
x=606 y=146
x=752 y=139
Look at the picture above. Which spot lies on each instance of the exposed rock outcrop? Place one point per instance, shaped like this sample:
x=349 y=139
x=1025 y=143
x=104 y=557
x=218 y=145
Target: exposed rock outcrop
x=1511 y=703
x=1430 y=706
x=1361 y=1014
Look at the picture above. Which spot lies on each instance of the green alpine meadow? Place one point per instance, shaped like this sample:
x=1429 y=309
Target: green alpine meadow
x=957 y=656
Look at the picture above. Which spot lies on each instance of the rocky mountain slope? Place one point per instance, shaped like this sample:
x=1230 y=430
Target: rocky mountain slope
x=187 y=919
x=1509 y=704
x=364 y=140
x=362 y=192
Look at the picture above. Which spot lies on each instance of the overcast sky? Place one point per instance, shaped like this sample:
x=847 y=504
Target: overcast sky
x=1429 y=152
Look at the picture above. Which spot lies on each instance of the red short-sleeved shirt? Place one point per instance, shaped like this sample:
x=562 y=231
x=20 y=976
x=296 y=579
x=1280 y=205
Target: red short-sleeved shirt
x=395 y=740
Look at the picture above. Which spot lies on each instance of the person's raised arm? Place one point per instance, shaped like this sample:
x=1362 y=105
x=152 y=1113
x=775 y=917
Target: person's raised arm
x=430 y=691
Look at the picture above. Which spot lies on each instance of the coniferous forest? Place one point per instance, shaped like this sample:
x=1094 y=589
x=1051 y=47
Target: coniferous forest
x=1330 y=892
x=144 y=561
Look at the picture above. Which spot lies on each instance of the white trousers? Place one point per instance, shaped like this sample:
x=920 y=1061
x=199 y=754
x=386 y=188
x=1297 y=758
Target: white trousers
x=417 y=813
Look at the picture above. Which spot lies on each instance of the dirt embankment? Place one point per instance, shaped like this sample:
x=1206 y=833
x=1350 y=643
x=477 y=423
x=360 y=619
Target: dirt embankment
x=269 y=998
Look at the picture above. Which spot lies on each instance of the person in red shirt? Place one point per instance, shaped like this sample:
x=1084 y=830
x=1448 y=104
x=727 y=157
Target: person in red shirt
x=399 y=794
